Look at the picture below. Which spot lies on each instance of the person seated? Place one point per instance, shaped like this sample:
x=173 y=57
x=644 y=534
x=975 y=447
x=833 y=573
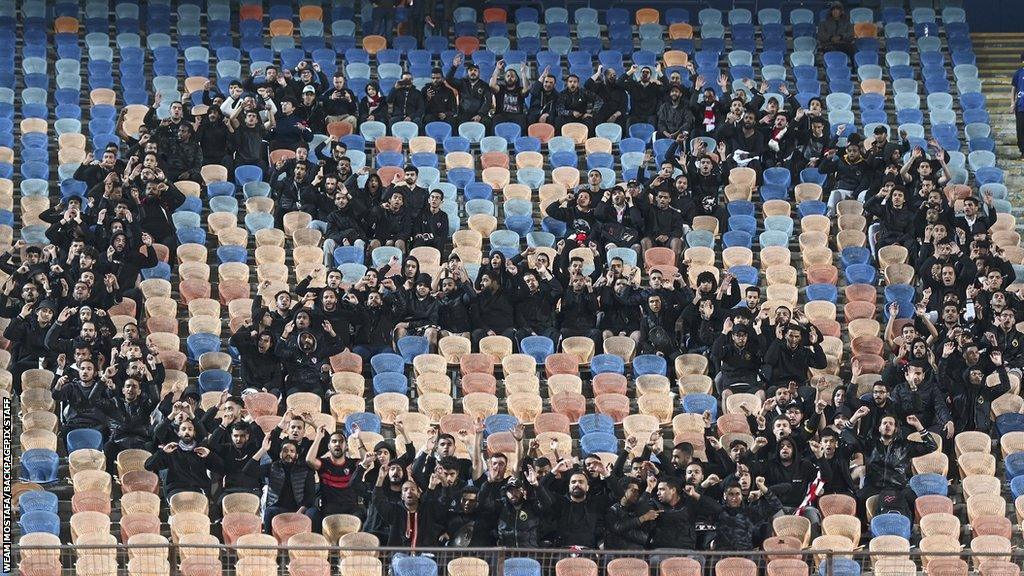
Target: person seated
x=835 y=32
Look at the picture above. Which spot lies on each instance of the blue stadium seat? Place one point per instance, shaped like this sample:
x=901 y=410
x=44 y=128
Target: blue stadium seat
x=540 y=347
x=39 y=465
x=598 y=442
x=387 y=362
x=390 y=382
x=603 y=363
x=366 y=421
x=40 y=521
x=412 y=346
x=591 y=423
x=925 y=484
x=214 y=381
x=499 y=423
x=891 y=524
x=84 y=438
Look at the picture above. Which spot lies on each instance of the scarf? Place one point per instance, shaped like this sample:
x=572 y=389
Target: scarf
x=411 y=528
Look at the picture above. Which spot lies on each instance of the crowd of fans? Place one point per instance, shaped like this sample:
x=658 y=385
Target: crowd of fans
x=803 y=445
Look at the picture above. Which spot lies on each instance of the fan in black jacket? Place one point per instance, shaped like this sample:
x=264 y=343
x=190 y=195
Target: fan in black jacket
x=492 y=309
x=474 y=94
x=614 y=99
x=305 y=360
x=27 y=334
x=260 y=366
x=535 y=302
x=578 y=311
x=186 y=462
x=628 y=522
x=128 y=417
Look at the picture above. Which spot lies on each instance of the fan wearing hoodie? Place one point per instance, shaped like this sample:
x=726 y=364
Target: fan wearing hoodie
x=260 y=365
x=306 y=361
x=739 y=521
x=492 y=310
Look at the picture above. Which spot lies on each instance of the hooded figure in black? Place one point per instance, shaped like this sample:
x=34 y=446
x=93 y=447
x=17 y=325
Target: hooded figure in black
x=305 y=358
x=260 y=366
x=973 y=395
x=739 y=522
x=787 y=474
x=492 y=310
x=522 y=507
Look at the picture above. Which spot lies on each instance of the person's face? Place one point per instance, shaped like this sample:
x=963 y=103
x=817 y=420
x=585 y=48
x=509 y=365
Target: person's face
x=705 y=166
x=330 y=299
x=995 y=279
x=971 y=355
x=373 y=300
x=287 y=107
x=284 y=301
x=44 y=316
x=176 y=111
x=300 y=171
x=753 y=298
x=793 y=339
x=631 y=495
x=473 y=73
x=436 y=78
x=736 y=452
x=572 y=83
x=449 y=477
x=948 y=275
x=664 y=200
x=794 y=416
x=675 y=94
x=887 y=427
x=781 y=121
x=88 y=332
x=782 y=396
x=666 y=493
x=920 y=350
x=296 y=428
x=786 y=451
x=251 y=119
x=531 y=282
x=734 y=497
x=694 y=474
x=621 y=285
x=82 y=354
x=184 y=133
x=880 y=394
x=410 y=494
x=186 y=432
x=583 y=199
x=307 y=342
x=239 y=438
x=749 y=120
x=288 y=453
x=680 y=459
x=853 y=152
x=445 y=447
x=87 y=371
x=578 y=486
x=654 y=303
x=396 y=202
x=510 y=78
x=336 y=446
x=594 y=178
x=781 y=428
x=498 y=465
x=29 y=293
x=915 y=375
x=468 y=504
x=410 y=177
x=396 y=475
x=435 y=200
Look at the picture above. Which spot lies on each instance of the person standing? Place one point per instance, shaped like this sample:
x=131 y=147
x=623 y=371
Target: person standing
x=1017 y=94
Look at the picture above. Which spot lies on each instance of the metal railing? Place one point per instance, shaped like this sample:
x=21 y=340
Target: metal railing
x=165 y=559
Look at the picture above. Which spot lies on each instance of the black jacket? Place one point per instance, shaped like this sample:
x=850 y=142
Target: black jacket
x=493 y=311
x=302 y=480
x=623 y=529
x=888 y=466
x=428 y=518
x=519 y=526
x=474 y=97
x=535 y=311
x=304 y=367
x=735 y=527
x=258 y=370
x=675 y=527
x=129 y=422
x=186 y=471
x=792 y=365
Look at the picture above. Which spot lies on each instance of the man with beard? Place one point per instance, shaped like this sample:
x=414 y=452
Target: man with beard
x=440 y=448
x=187 y=463
x=536 y=302
x=440 y=104
x=128 y=417
x=415 y=520
x=234 y=455
x=746 y=145
x=580 y=519
x=620 y=304
x=340 y=478
x=492 y=310
x=789 y=359
x=709 y=111
x=628 y=522
x=887 y=462
x=578 y=311
x=340 y=104
x=678 y=508
x=460 y=526
x=453 y=313
x=614 y=100
x=543 y=98
x=576 y=105
x=306 y=361
x=663 y=224
x=673 y=115
x=87 y=337
x=521 y=511
x=833 y=461
x=343 y=227
x=377 y=319
x=93 y=172
x=644 y=95
x=388 y=492
x=474 y=95
x=509 y=95
x=406 y=101
x=260 y=368
x=290 y=484
x=311 y=111
x=155 y=212
x=972 y=394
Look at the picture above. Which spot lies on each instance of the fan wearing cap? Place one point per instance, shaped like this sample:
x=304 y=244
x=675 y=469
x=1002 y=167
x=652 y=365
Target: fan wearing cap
x=311 y=110
x=524 y=503
x=835 y=32
x=738 y=355
x=474 y=96
x=439 y=98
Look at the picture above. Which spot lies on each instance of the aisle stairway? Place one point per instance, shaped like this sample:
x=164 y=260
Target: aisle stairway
x=998 y=58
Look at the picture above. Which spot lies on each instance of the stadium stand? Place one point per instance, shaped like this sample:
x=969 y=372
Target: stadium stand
x=301 y=280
